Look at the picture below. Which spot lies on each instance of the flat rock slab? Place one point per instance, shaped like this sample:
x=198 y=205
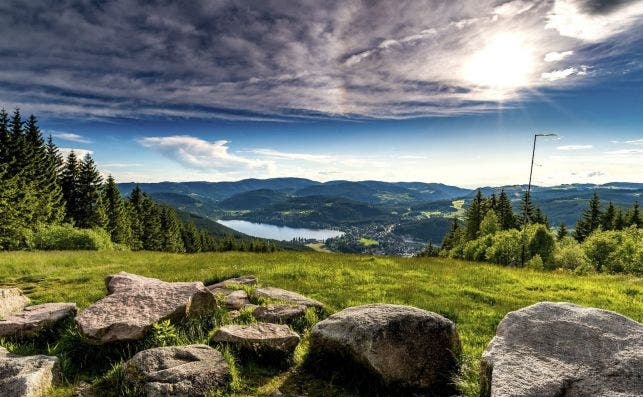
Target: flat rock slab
x=283 y=295
x=11 y=300
x=279 y=313
x=561 y=349
x=259 y=336
x=243 y=280
x=34 y=319
x=193 y=370
x=234 y=299
x=28 y=376
x=135 y=303
x=401 y=346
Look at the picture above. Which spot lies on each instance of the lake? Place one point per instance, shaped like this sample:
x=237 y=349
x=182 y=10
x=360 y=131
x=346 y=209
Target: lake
x=283 y=233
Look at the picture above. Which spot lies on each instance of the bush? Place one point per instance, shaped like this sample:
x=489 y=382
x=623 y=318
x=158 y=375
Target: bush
x=67 y=237
x=505 y=248
x=628 y=256
x=536 y=263
x=600 y=247
x=570 y=255
x=542 y=244
x=475 y=250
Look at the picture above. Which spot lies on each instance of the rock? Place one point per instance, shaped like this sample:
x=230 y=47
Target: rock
x=84 y=389
x=193 y=370
x=29 y=376
x=283 y=295
x=279 y=313
x=135 y=303
x=234 y=299
x=11 y=300
x=243 y=280
x=561 y=349
x=234 y=314
x=260 y=336
x=34 y=319
x=403 y=346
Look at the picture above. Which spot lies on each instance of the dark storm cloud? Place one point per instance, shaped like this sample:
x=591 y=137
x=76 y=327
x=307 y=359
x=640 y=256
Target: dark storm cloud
x=261 y=59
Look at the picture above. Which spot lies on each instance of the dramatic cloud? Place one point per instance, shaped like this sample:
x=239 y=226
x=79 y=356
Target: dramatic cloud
x=69 y=136
x=574 y=147
x=270 y=60
x=198 y=154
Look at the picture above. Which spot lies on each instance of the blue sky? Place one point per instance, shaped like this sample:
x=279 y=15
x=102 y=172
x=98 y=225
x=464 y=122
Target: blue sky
x=430 y=91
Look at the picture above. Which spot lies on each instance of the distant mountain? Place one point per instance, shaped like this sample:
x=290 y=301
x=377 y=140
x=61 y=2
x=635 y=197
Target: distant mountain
x=254 y=199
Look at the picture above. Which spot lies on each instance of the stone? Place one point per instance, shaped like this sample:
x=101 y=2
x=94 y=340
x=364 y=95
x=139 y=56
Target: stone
x=234 y=299
x=27 y=376
x=243 y=280
x=135 y=303
x=11 y=300
x=84 y=389
x=193 y=370
x=278 y=294
x=278 y=313
x=260 y=336
x=34 y=319
x=560 y=349
x=403 y=347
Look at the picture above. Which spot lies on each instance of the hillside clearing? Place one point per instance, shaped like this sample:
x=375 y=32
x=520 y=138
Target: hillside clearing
x=475 y=296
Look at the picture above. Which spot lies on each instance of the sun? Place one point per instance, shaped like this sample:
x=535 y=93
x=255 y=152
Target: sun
x=504 y=64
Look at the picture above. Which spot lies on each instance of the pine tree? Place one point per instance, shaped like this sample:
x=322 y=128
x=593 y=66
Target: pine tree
x=151 y=220
x=450 y=239
x=634 y=216
x=505 y=212
x=191 y=238
x=117 y=224
x=6 y=156
x=91 y=212
x=607 y=219
x=562 y=232
x=527 y=210
x=590 y=220
x=171 y=229
x=69 y=184
x=539 y=217
x=619 y=220
x=12 y=221
x=474 y=216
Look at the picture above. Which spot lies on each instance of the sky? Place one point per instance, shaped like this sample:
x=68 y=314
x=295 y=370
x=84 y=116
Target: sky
x=434 y=91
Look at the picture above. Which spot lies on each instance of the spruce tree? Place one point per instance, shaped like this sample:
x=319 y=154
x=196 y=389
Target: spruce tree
x=505 y=212
x=117 y=224
x=6 y=156
x=607 y=219
x=526 y=209
x=70 y=187
x=474 y=216
x=619 y=220
x=171 y=229
x=135 y=210
x=12 y=221
x=191 y=238
x=450 y=239
x=90 y=212
x=152 y=238
x=562 y=232
x=634 y=216
x=590 y=220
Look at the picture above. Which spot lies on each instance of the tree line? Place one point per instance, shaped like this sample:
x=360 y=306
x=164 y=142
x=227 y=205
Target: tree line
x=604 y=239
x=51 y=202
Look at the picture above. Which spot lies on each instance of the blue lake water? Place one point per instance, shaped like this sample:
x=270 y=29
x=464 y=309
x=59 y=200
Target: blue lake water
x=283 y=233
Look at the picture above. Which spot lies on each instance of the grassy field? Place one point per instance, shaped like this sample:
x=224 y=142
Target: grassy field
x=475 y=296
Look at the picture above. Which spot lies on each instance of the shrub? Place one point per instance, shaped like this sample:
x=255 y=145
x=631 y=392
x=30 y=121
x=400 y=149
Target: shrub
x=536 y=263
x=600 y=246
x=628 y=256
x=67 y=237
x=475 y=250
x=542 y=243
x=505 y=248
x=570 y=255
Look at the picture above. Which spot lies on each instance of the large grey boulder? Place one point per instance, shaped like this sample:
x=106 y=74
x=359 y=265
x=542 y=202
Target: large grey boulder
x=561 y=349
x=234 y=299
x=11 y=300
x=193 y=370
x=403 y=347
x=277 y=338
x=34 y=319
x=279 y=313
x=243 y=280
x=278 y=294
x=135 y=303
x=30 y=376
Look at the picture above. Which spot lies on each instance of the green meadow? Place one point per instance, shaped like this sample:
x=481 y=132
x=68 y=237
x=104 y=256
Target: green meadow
x=475 y=296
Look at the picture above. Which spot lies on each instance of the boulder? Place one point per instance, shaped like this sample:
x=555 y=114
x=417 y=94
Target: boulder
x=11 y=300
x=193 y=370
x=278 y=313
x=234 y=299
x=34 y=319
x=243 y=280
x=561 y=349
x=403 y=347
x=278 y=294
x=260 y=336
x=29 y=376
x=135 y=303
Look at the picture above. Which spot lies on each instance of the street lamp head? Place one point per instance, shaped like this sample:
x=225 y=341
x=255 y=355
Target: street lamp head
x=549 y=134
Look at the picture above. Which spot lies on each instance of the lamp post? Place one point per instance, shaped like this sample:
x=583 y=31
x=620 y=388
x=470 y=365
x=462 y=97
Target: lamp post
x=528 y=196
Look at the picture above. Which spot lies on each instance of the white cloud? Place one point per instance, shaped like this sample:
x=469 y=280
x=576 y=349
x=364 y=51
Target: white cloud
x=80 y=153
x=70 y=136
x=637 y=142
x=557 y=74
x=321 y=158
x=557 y=56
x=512 y=8
x=574 y=147
x=624 y=152
x=121 y=165
x=568 y=18
x=411 y=157
x=197 y=153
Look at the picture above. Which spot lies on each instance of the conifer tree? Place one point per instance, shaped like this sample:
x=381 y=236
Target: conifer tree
x=171 y=229
x=562 y=232
x=90 y=211
x=607 y=219
x=634 y=216
x=135 y=210
x=12 y=223
x=505 y=212
x=619 y=220
x=69 y=184
x=117 y=224
x=191 y=238
x=6 y=157
x=450 y=239
x=590 y=220
x=527 y=209
x=474 y=216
